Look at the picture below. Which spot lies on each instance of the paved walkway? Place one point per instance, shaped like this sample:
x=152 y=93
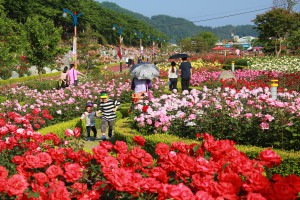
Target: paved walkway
x=116 y=68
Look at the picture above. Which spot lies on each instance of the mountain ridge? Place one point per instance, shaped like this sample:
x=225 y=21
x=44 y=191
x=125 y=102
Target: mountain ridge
x=179 y=28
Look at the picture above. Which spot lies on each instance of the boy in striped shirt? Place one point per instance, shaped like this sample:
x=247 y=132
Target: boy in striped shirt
x=108 y=108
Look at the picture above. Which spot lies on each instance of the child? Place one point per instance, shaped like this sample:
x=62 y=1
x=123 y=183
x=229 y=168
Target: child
x=108 y=108
x=89 y=115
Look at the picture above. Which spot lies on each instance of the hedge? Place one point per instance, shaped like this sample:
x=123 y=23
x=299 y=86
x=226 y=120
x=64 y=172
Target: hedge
x=290 y=160
x=26 y=78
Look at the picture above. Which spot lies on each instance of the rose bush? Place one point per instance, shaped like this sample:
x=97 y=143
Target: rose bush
x=246 y=116
x=50 y=168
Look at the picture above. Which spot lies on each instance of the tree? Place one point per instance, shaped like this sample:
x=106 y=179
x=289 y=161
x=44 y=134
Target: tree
x=88 y=47
x=275 y=27
x=285 y=4
x=44 y=39
x=200 y=43
x=12 y=44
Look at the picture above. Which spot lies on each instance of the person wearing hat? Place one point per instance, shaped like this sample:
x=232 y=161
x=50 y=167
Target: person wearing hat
x=108 y=108
x=89 y=116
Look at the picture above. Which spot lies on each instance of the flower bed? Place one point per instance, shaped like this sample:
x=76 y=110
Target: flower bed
x=46 y=167
x=248 y=78
x=248 y=117
x=69 y=103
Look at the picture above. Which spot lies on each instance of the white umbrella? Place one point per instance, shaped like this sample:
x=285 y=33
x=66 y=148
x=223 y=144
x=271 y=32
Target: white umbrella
x=144 y=71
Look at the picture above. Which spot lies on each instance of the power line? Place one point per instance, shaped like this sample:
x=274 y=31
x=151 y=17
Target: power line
x=221 y=17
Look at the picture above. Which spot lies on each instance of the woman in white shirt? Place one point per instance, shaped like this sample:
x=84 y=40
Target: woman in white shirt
x=173 y=76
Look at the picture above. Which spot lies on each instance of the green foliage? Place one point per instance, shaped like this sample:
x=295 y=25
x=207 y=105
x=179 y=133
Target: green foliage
x=199 y=43
x=290 y=160
x=13 y=43
x=59 y=128
x=27 y=78
x=275 y=27
x=41 y=85
x=43 y=38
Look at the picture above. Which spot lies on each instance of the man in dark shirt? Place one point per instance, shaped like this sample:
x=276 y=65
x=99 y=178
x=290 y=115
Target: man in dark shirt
x=186 y=73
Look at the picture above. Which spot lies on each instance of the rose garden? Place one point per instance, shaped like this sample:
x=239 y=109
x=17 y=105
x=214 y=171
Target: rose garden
x=221 y=140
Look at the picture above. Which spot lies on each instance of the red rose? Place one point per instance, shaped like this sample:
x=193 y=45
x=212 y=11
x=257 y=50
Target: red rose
x=99 y=153
x=77 y=132
x=53 y=171
x=45 y=159
x=269 y=158
x=200 y=195
x=80 y=187
x=147 y=160
x=36 y=111
x=180 y=191
x=59 y=191
x=32 y=161
x=255 y=196
x=2 y=122
x=3 y=173
x=121 y=147
x=139 y=140
x=16 y=185
x=73 y=172
x=137 y=152
x=41 y=178
x=18 y=160
x=160 y=174
x=145 y=108
x=151 y=185
x=162 y=149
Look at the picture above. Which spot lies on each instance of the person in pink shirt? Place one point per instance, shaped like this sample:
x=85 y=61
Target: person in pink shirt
x=72 y=75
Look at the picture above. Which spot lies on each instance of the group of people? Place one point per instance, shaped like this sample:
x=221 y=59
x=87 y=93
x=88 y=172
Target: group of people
x=69 y=76
x=107 y=113
x=185 y=68
x=141 y=88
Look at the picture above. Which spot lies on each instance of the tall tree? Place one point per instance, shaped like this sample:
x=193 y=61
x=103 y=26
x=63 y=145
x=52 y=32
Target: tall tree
x=275 y=27
x=12 y=44
x=44 y=39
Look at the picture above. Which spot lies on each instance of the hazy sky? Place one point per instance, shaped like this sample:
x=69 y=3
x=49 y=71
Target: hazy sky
x=202 y=12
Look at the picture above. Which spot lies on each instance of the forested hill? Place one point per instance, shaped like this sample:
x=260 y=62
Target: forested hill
x=178 y=28
x=95 y=17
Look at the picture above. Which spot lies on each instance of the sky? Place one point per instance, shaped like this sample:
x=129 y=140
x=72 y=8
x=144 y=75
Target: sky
x=212 y=13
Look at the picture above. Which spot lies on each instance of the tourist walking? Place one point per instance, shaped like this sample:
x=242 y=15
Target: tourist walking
x=173 y=76
x=140 y=88
x=186 y=73
x=72 y=75
x=107 y=108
